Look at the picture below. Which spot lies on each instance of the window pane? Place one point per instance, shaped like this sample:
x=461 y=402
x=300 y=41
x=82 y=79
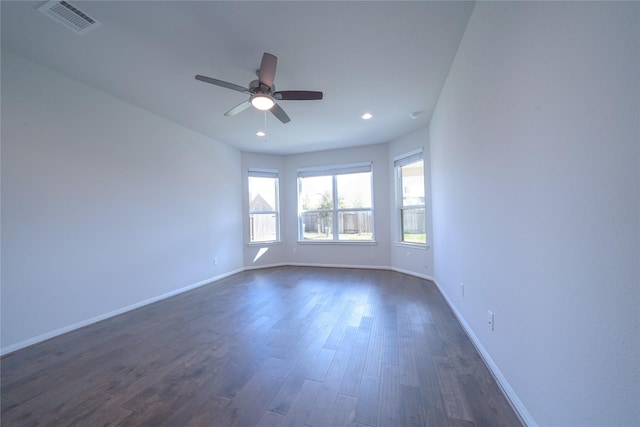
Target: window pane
x=413 y=226
x=336 y=206
x=357 y=225
x=354 y=190
x=262 y=194
x=263 y=209
x=412 y=177
x=316 y=193
x=317 y=226
x=263 y=227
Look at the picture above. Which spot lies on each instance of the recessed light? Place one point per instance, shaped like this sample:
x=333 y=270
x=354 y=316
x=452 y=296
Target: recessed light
x=260 y=133
x=366 y=116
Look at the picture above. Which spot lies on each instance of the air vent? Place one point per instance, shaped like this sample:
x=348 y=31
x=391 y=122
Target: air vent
x=69 y=16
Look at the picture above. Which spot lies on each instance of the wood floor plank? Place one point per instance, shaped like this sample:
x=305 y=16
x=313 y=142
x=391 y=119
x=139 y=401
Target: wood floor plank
x=91 y=409
x=328 y=392
x=451 y=391
x=482 y=414
x=290 y=390
x=203 y=409
x=368 y=402
x=340 y=325
x=252 y=400
x=373 y=358
x=389 y=414
x=306 y=366
x=299 y=346
x=406 y=350
x=271 y=419
x=344 y=411
x=411 y=410
x=432 y=401
x=303 y=404
x=390 y=346
x=318 y=371
x=352 y=377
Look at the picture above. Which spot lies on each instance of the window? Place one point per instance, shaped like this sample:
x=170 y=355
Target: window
x=410 y=190
x=264 y=216
x=336 y=203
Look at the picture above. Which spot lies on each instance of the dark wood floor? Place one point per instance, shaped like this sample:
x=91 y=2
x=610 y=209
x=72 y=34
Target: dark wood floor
x=288 y=346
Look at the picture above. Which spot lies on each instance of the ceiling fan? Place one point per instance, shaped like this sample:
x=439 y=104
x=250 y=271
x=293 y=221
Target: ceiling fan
x=262 y=91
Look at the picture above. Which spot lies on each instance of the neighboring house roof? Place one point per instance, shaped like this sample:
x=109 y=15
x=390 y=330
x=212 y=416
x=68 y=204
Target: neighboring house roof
x=260 y=204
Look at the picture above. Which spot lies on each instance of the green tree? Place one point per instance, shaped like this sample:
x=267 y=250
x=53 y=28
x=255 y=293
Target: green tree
x=357 y=201
x=306 y=203
x=326 y=204
x=326 y=201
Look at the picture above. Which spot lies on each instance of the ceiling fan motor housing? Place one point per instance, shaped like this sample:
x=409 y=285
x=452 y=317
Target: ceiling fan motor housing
x=256 y=87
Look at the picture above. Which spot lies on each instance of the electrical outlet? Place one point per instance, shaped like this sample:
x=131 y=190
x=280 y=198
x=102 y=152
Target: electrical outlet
x=408 y=255
x=462 y=289
x=490 y=320
x=215 y=260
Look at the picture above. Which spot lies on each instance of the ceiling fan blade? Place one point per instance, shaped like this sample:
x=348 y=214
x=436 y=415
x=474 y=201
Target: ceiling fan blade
x=268 y=69
x=222 y=83
x=297 y=95
x=238 y=108
x=280 y=114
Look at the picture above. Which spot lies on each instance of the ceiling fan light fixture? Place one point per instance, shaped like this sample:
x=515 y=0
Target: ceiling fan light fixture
x=262 y=102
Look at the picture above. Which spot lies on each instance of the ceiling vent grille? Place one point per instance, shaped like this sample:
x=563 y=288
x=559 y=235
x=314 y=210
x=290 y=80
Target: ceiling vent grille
x=69 y=16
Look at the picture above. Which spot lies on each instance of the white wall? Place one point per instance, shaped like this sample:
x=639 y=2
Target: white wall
x=411 y=259
x=536 y=186
x=104 y=205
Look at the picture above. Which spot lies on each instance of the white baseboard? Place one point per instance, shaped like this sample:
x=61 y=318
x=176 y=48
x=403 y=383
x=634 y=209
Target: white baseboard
x=369 y=267
x=260 y=267
x=413 y=273
x=511 y=395
x=47 y=335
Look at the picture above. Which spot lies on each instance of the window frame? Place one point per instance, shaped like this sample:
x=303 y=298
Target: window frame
x=399 y=162
x=335 y=211
x=264 y=173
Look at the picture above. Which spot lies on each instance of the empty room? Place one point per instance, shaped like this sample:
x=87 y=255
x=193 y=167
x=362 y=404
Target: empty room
x=320 y=213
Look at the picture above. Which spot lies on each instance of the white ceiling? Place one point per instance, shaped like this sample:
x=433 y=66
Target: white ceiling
x=388 y=58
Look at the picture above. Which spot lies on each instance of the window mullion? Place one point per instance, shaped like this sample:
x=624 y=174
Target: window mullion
x=276 y=184
x=336 y=235
x=300 y=211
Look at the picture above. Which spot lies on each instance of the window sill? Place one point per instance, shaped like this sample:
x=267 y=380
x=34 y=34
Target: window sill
x=337 y=242
x=269 y=243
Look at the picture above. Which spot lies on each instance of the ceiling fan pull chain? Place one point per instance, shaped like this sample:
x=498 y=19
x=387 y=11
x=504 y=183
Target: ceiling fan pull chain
x=265 y=126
